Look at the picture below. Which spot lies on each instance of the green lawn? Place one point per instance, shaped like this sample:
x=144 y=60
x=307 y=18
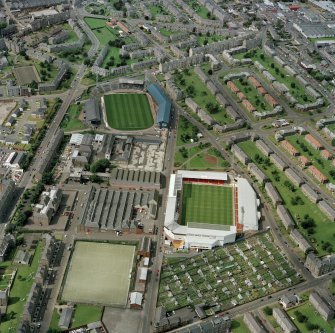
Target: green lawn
x=180 y=157
x=72 y=35
x=185 y=131
x=199 y=9
x=166 y=32
x=157 y=9
x=206 y=160
x=252 y=94
x=128 y=111
x=207 y=204
x=238 y=326
x=50 y=75
x=294 y=86
x=21 y=287
x=71 y=120
x=325 y=228
x=332 y=286
x=272 y=321
x=309 y=311
x=321 y=39
x=83 y=314
x=209 y=39
x=200 y=94
x=331 y=127
x=95 y=23
x=312 y=154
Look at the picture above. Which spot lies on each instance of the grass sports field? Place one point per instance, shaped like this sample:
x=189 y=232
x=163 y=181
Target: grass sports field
x=128 y=112
x=99 y=273
x=207 y=204
x=26 y=74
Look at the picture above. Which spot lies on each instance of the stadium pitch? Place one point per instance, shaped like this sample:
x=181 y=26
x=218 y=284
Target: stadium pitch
x=128 y=112
x=99 y=273
x=207 y=204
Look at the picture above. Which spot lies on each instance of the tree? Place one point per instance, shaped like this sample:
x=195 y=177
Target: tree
x=268 y=311
x=96 y=179
x=100 y=165
x=190 y=90
x=47 y=178
x=33 y=84
x=293 y=85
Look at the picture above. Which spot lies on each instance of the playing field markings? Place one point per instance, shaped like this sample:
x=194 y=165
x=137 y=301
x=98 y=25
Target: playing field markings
x=99 y=273
x=128 y=111
x=207 y=204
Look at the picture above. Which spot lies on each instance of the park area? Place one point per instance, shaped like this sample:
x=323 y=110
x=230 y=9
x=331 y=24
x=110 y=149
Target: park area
x=296 y=89
x=99 y=273
x=191 y=85
x=128 y=112
x=26 y=74
x=207 y=204
x=226 y=276
x=312 y=222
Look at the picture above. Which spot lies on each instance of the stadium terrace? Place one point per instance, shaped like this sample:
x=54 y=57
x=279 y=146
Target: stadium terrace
x=209 y=209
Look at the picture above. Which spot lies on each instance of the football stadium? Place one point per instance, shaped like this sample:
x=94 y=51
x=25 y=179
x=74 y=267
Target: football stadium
x=208 y=209
x=132 y=110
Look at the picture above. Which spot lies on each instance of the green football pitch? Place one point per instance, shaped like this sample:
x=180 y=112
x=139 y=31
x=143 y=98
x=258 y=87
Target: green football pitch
x=99 y=273
x=207 y=204
x=128 y=112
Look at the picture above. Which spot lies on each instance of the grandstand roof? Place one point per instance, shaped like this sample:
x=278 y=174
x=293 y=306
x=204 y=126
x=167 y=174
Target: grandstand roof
x=247 y=205
x=164 y=105
x=92 y=111
x=203 y=175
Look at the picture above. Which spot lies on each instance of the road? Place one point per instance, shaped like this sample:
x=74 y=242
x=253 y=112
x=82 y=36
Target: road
x=152 y=288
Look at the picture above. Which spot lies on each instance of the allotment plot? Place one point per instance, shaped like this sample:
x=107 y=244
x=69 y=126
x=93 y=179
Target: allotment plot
x=99 y=273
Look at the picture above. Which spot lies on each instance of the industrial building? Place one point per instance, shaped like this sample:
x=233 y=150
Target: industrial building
x=109 y=209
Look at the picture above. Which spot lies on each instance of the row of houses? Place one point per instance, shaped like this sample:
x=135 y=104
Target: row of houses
x=282 y=89
x=304 y=161
x=37 y=291
x=273 y=194
x=261 y=90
